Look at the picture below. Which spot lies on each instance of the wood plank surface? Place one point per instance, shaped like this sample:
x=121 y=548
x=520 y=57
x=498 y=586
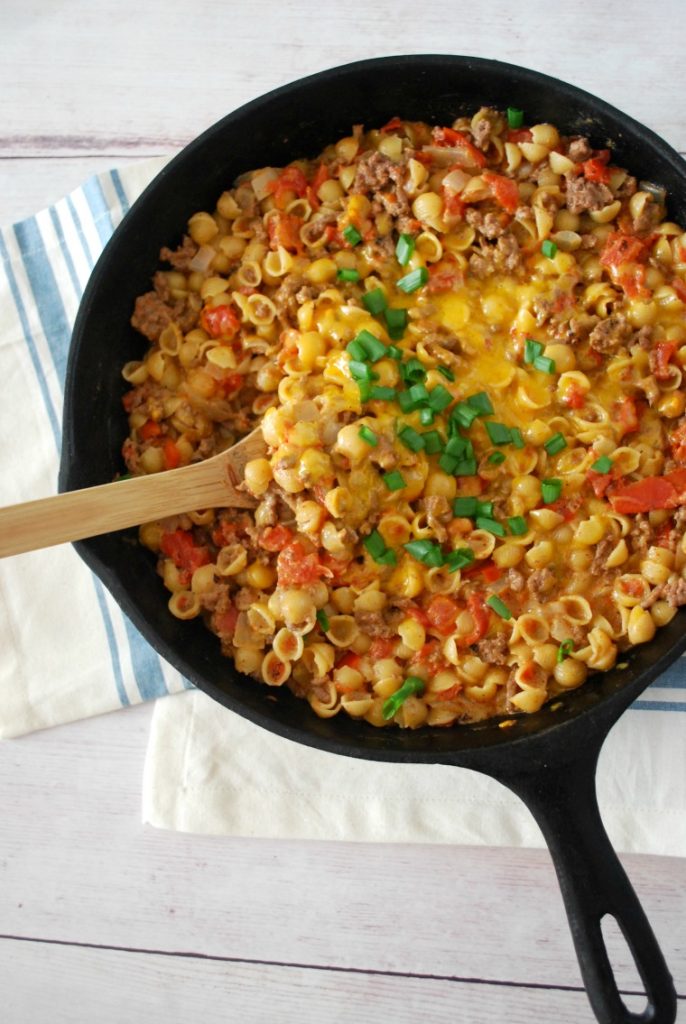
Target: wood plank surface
x=48 y=984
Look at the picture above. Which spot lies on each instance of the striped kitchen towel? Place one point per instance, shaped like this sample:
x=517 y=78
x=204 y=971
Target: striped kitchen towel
x=67 y=650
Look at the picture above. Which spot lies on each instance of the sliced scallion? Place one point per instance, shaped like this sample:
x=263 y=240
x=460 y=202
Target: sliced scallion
x=515 y=117
x=550 y=490
x=394 y=481
x=404 y=249
x=555 y=444
x=352 y=235
x=602 y=465
x=391 y=706
x=374 y=301
x=348 y=274
x=368 y=435
x=499 y=607
x=414 y=280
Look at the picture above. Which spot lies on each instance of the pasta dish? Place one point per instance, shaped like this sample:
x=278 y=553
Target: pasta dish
x=465 y=346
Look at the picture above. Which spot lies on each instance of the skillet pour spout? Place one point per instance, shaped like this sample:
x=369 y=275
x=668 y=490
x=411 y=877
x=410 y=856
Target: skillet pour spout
x=548 y=759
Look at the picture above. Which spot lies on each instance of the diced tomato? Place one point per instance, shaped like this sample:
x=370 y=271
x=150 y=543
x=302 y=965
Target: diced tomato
x=477 y=568
x=565 y=507
x=232 y=382
x=349 y=660
x=430 y=657
x=491 y=573
x=666 y=536
x=172 y=455
x=321 y=175
x=453 y=203
x=184 y=552
x=504 y=190
x=633 y=281
x=442 y=612
x=596 y=169
x=443 y=278
x=458 y=140
x=391 y=125
x=519 y=135
x=653 y=492
x=662 y=353
x=380 y=648
x=677 y=442
x=574 y=397
x=622 y=248
x=481 y=615
x=599 y=482
x=627 y=415
x=450 y=694
x=284 y=230
x=419 y=614
x=127 y=400
x=224 y=533
x=149 y=430
x=275 y=538
x=224 y=623
x=296 y=567
x=291 y=179
x=220 y=321
x=679 y=286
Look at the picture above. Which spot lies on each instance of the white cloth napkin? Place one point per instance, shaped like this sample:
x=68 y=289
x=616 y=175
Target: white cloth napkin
x=68 y=652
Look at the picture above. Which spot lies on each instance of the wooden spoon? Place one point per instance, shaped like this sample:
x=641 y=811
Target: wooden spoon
x=142 y=499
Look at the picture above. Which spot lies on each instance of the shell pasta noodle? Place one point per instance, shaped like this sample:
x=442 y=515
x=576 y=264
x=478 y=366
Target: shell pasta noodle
x=465 y=345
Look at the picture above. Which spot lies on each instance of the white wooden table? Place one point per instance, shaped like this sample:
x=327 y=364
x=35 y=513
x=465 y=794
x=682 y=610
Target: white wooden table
x=104 y=920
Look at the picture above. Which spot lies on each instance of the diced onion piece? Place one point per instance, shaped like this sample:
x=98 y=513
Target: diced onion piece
x=658 y=193
x=202 y=259
x=456 y=180
x=261 y=180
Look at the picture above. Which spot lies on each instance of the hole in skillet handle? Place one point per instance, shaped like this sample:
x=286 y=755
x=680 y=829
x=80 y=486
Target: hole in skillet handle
x=633 y=993
x=559 y=789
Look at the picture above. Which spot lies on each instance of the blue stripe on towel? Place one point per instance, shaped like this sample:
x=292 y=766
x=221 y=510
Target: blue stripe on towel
x=658 y=705
x=121 y=192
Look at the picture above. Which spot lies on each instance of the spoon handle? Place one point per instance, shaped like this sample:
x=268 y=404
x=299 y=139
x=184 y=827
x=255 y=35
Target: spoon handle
x=114 y=506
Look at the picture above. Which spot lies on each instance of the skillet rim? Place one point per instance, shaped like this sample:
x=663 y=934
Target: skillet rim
x=550 y=733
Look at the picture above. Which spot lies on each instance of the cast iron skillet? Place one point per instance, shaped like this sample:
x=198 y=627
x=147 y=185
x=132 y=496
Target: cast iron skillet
x=548 y=759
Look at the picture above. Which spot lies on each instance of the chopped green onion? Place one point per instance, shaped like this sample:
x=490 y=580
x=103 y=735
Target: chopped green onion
x=365 y=390
x=484 y=508
x=411 y=439
x=456 y=446
x=413 y=371
x=482 y=403
x=551 y=490
x=602 y=465
x=433 y=442
x=124 y=476
x=405 y=402
x=387 y=558
x=323 y=620
x=532 y=349
x=352 y=235
x=404 y=249
x=381 y=394
x=447 y=373
x=465 y=507
x=498 y=432
x=517 y=439
x=564 y=650
x=374 y=348
x=348 y=274
x=368 y=435
x=396 y=322
x=425 y=551
x=549 y=249
x=465 y=468
x=448 y=463
x=418 y=394
x=499 y=607
x=362 y=371
x=375 y=544
x=464 y=414
x=374 y=301
x=394 y=352
x=545 y=364
x=496 y=458
x=491 y=525
x=440 y=398
x=555 y=444
x=412 y=685
x=459 y=559
x=394 y=481
x=515 y=117
x=517 y=525
x=426 y=416
x=356 y=351
x=414 y=280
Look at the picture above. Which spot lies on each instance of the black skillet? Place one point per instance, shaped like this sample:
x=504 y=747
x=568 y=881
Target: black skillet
x=548 y=759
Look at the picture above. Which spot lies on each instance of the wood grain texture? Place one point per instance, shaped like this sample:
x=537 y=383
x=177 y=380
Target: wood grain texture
x=111 y=986
x=80 y=868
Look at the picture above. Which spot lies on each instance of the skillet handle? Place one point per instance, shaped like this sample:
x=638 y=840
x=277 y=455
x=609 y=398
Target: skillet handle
x=594 y=883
